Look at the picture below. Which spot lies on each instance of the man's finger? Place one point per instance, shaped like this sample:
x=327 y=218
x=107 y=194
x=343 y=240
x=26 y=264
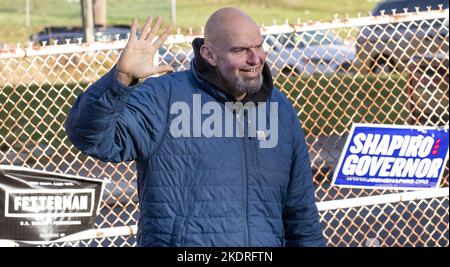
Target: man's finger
x=163 y=37
x=154 y=30
x=146 y=28
x=134 y=25
x=165 y=68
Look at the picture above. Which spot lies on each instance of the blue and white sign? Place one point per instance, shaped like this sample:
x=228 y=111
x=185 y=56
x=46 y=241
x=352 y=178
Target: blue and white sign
x=393 y=157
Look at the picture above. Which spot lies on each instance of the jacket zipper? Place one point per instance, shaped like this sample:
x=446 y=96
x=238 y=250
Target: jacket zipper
x=245 y=177
x=253 y=143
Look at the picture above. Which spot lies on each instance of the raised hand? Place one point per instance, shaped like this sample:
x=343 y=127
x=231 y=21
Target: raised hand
x=136 y=60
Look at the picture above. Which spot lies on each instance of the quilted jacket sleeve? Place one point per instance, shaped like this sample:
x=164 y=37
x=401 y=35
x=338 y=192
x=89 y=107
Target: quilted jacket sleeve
x=300 y=215
x=113 y=122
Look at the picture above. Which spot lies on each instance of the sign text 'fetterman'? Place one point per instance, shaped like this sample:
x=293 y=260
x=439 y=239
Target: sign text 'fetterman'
x=43 y=206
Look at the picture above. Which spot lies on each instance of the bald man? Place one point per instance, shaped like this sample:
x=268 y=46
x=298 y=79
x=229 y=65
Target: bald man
x=220 y=154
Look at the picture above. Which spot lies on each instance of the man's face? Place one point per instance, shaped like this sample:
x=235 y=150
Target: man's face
x=240 y=59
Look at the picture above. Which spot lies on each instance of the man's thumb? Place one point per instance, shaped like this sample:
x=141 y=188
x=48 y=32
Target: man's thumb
x=165 y=68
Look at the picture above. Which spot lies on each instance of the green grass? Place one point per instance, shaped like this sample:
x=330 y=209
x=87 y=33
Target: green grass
x=36 y=113
x=329 y=105
x=190 y=13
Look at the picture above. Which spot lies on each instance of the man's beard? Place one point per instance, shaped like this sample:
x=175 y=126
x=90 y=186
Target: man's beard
x=248 y=86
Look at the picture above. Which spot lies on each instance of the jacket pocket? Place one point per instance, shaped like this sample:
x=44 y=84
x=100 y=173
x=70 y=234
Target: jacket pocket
x=178 y=232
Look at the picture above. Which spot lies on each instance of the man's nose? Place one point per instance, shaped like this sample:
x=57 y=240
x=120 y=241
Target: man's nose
x=253 y=56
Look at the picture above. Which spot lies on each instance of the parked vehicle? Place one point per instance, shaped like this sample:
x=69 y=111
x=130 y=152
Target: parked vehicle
x=428 y=89
x=388 y=47
x=309 y=52
x=50 y=35
x=60 y=35
x=179 y=59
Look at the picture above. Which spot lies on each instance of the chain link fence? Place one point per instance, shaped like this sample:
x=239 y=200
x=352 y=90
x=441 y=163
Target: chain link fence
x=385 y=69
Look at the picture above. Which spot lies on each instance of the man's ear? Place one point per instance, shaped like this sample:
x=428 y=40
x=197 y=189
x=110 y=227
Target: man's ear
x=208 y=55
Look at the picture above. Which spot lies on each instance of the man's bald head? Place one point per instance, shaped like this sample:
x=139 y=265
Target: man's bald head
x=225 y=23
x=233 y=47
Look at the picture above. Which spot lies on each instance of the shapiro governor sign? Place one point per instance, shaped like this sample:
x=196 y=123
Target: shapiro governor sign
x=393 y=157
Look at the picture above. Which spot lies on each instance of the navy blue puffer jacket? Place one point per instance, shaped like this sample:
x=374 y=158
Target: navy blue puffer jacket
x=198 y=191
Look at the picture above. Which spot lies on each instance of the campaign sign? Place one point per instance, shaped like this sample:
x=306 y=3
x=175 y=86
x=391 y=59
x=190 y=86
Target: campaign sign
x=393 y=157
x=41 y=206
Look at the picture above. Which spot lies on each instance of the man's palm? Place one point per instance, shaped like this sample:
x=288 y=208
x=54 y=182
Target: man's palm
x=136 y=60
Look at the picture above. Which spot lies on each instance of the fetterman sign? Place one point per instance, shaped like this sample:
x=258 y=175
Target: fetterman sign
x=43 y=206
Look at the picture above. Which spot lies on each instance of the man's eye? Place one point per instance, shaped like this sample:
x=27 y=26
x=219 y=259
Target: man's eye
x=239 y=50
